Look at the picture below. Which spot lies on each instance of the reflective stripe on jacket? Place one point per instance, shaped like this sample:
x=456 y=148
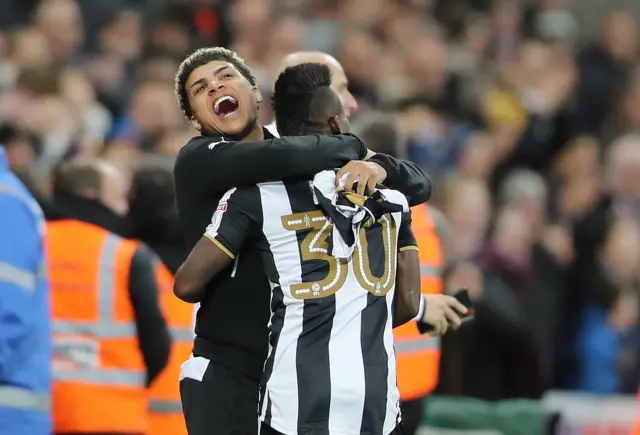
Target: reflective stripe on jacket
x=98 y=370
x=418 y=355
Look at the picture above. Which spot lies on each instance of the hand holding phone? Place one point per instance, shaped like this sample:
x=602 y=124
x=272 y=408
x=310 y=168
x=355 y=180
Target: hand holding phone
x=462 y=296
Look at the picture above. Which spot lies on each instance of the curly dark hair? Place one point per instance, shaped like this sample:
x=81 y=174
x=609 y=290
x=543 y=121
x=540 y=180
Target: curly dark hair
x=301 y=94
x=201 y=57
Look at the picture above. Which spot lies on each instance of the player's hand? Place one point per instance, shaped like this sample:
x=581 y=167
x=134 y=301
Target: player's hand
x=368 y=174
x=443 y=312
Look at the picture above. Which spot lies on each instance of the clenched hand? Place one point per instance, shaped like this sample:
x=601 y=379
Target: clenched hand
x=443 y=312
x=367 y=174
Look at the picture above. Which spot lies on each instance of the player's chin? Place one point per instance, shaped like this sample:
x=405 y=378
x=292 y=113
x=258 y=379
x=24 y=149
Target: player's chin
x=234 y=127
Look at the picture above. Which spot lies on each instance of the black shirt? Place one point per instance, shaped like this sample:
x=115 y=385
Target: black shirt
x=231 y=325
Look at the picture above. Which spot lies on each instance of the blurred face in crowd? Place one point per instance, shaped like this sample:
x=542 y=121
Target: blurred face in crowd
x=20 y=154
x=153 y=108
x=222 y=100
x=76 y=87
x=123 y=36
x=513 y=235
x=624 y=167
x=114 y=191
x=621 y=251
x=30 y=50
x=287 y=35
x=359 y=54
x=426 y=64
x=247 y=15
x=171 y=36
x=620 y=35
x=624 y=313
x=363 y=13
x=61 y=23
x=476 y=160
x=468 y=210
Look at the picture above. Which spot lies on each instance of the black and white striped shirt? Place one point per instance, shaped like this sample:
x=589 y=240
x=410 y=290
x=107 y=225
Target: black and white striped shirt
x=331 y=364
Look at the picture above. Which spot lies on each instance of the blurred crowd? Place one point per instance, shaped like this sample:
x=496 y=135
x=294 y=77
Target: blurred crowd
x=529 y=132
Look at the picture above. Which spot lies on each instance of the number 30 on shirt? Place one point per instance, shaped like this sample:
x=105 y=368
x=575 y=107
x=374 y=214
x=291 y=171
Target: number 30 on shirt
x=315 y=247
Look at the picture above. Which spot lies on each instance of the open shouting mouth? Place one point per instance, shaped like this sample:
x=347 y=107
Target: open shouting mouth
x=225 y=106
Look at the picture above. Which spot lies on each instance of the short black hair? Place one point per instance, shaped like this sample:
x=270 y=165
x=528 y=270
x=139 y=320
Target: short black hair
x=9 y=133
x=302 y=94
x=152 y=202
x=201 y=57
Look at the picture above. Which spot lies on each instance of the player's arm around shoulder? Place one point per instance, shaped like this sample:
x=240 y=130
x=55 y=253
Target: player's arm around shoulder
x=217 y=164
x=218 y=247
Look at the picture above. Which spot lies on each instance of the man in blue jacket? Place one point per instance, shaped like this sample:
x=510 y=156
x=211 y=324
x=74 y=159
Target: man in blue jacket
x=25 y=320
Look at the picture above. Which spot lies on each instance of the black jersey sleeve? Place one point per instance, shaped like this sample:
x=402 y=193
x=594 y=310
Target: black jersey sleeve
x=405 y=176
x=237 y=218
x=406 y=239
x=213 y=165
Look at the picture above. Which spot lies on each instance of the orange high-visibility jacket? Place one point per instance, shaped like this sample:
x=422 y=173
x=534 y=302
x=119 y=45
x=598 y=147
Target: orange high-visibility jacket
x=418 y=355
x=99 y=373
x=165 y=406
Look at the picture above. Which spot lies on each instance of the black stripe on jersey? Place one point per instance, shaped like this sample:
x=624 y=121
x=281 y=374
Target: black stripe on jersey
x=312 y=360
x=374 y=354
x=278 y=310
x=312 y=352
x=277 y=320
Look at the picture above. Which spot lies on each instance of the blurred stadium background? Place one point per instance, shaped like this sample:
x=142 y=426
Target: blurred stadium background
x=526 y=113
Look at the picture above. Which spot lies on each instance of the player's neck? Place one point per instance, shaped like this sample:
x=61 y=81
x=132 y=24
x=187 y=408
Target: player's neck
x=318 y=131
x=256 y=134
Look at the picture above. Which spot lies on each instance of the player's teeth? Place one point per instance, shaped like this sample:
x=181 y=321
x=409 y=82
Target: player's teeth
x=220 y=100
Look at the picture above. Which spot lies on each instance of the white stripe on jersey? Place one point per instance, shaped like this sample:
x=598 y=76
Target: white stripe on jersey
x=345 y=359
x=282 y=388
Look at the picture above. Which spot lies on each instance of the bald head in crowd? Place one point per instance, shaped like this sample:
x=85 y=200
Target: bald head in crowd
x=339 y=81
x=94 y=179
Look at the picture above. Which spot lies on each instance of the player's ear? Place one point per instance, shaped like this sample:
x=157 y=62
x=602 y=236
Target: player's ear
x=257 y=93
x=334 y=125
x=195 y=124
